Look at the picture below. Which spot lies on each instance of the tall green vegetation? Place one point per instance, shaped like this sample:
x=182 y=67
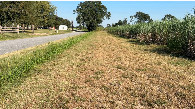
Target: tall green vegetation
x=91 y=13
x=178 y=35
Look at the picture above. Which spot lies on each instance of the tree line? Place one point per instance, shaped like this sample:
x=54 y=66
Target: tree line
x=92 y=13
x=141 y=17
x=38 y=13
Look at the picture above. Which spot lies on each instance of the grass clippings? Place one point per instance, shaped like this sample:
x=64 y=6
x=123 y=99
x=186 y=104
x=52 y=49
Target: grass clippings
x=107 y=72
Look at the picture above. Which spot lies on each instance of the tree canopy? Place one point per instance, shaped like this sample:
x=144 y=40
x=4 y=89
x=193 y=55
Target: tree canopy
x=38 y=13
x=91 y=13
x=120 y=22
x=142 y=17
x=169 y=17
x=60 y=21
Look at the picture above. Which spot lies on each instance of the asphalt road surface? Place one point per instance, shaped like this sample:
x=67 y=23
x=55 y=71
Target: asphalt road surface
x=9 y=46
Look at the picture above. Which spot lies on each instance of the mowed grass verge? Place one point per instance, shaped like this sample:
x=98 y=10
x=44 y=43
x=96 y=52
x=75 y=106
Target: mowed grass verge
x=104 y=71
x=29 y=33
x=15 y=67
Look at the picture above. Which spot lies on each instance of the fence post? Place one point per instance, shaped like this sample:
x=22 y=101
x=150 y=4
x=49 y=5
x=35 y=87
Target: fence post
x=33 y=28
x=0 y=28
x=23 y=28
x=18 y=29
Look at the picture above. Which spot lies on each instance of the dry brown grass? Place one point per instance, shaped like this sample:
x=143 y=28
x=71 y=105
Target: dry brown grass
x=107 y=72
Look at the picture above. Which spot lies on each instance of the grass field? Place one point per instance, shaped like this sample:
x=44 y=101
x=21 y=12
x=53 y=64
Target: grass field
x=104 y=71
x=29 y=33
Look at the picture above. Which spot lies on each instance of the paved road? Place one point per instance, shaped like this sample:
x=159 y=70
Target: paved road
x=18 y=44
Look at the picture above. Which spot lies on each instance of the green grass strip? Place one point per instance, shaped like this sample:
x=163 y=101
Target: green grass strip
x=14 y=68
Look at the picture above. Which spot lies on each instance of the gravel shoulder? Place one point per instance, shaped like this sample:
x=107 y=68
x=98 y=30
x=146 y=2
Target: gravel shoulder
x=9 y=46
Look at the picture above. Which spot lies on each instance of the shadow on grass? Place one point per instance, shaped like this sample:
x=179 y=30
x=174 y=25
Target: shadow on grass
x=160 y=49
x=26 y=31
x=164 y=50
x=137 y=42
x=80 y=31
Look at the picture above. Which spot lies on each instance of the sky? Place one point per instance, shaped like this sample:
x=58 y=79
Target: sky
x=124 y=9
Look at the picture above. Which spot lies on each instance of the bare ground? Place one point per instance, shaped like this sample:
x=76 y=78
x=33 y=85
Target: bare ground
x=107 y=72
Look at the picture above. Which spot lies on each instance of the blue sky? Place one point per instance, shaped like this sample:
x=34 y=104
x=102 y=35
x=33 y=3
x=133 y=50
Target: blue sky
x=123 y=9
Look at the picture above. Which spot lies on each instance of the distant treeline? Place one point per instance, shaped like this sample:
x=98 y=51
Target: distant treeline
x=38 y=13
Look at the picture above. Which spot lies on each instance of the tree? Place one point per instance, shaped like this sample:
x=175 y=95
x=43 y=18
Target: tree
x=131 y=19
x=91 y=13
x=125 y=21
x=120 y=22
x=108 y=25
x=114 y=25
x=142 y=17
x=26 y=12
x=169 y=17
x=9 y=12
x=60 y=21
x=44 y=11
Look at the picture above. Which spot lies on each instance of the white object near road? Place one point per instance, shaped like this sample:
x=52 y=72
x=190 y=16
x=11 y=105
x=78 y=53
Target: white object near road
x=63 y=27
